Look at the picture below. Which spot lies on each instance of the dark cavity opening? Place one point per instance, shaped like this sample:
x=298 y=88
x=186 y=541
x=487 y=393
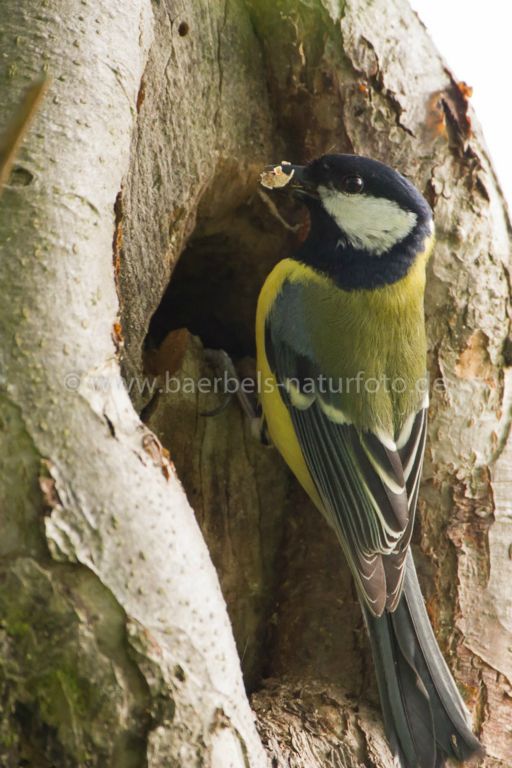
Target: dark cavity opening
x=214 y=288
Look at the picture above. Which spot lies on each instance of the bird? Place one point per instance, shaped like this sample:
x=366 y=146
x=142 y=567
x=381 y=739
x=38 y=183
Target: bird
x=341 y=358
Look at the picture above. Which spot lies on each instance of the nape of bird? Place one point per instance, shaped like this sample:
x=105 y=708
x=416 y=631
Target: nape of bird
x=341 y=351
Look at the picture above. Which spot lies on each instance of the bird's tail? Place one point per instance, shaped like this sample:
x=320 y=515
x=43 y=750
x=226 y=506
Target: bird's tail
x=424 y=716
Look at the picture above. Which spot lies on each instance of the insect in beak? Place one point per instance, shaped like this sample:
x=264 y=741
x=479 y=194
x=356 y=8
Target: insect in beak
x=294 y=177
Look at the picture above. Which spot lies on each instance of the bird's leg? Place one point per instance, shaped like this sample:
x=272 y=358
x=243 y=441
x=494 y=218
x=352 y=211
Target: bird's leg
x=223 y=365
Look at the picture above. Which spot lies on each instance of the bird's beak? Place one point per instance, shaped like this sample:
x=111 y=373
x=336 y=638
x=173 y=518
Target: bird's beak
x=300 y=183
x=293 y=177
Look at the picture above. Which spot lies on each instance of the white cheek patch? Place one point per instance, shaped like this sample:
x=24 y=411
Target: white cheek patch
x=370 y=223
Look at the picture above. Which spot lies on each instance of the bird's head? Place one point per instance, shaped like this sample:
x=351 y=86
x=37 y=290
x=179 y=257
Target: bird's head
x=367 y=220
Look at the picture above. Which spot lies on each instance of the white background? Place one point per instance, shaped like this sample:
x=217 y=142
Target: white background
x=475 y=39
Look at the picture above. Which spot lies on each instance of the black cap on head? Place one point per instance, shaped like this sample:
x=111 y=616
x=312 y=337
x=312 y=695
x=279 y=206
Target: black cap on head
x=354 y=174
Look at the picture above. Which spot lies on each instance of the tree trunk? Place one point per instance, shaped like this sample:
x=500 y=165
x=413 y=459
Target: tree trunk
x=115 y=641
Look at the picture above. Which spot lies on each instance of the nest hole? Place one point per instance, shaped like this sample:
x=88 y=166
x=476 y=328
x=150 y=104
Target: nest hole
x=214 y=287
x=212 y=294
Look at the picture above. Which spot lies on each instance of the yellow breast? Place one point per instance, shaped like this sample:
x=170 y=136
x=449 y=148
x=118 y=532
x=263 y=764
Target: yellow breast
x=379 y=331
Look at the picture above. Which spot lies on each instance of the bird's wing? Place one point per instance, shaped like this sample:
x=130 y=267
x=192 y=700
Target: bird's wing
x=368 y=484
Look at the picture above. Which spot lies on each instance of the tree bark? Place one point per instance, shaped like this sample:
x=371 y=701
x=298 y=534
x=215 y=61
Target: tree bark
x=116 y=646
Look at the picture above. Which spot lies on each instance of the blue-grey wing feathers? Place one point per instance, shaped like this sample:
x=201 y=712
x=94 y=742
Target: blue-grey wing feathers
x=367 y=484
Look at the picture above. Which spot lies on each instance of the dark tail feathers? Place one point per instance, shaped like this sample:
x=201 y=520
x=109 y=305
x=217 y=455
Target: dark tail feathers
x=425 y=718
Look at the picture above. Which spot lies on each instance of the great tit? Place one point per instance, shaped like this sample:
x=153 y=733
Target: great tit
x=341 y=354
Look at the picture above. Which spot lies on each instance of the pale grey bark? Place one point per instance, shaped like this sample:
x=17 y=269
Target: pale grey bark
x=115 y=644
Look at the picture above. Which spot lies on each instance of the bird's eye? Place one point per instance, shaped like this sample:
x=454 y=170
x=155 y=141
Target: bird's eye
x=353 y=185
